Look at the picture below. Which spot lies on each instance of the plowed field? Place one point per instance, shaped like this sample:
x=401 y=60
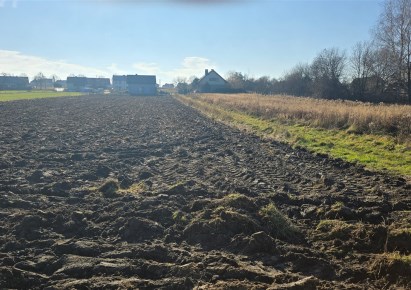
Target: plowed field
x=122 y=192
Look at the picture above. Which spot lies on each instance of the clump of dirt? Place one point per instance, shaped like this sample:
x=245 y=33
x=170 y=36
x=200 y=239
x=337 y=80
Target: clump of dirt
x=120 y=192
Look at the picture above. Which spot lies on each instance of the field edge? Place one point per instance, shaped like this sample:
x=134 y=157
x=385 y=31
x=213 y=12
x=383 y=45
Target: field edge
x=375 y=153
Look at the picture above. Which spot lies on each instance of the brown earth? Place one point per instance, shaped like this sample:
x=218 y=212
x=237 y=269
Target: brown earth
x=122 y=192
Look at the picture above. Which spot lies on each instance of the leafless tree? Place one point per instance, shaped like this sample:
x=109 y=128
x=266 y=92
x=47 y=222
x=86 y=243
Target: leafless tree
x=180 y=80
x=327 y=71
x=39 y=76
x=55 y=78
x=237 y=80
x=393 y=37
x=361 y=61
x=297 y=81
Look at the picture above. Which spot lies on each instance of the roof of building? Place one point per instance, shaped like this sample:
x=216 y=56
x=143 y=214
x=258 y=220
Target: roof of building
x=141 y=80
x=119 y=78
x=212 y=70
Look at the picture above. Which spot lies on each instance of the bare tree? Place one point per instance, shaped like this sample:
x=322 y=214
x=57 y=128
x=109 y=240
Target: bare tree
x=39 y=76
x=393 y=36
x=179 y=80
x=237 y=80
x=327 y=71
x=263 y=85
x=181 y=85
x=297 y=81
x=55 y=78
x=361 y=61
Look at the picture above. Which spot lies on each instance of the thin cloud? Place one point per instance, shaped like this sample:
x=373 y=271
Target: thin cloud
x=114 y=69
x=147 y=68
x=16 y=63
x=3 y=3
x=190 y=2
x=190 y=66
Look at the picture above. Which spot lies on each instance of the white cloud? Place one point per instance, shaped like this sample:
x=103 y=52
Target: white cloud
x=190 y=66
x=193 y=66
x=147 y=68
x=17 y=63
x=115 y=70
x=14 y=62
x=13 y=3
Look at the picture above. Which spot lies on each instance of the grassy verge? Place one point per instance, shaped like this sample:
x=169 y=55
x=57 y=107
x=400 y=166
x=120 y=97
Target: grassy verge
x=26 y=95
x=376 y=152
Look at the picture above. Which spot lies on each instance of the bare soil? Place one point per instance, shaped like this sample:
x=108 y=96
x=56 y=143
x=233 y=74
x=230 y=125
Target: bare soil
x=186 y=204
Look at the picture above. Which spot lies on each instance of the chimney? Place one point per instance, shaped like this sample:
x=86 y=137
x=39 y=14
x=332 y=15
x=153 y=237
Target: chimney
x=206 y=71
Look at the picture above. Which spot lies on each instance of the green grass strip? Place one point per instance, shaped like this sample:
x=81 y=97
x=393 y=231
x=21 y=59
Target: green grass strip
x=26 y=95
x=376 y=152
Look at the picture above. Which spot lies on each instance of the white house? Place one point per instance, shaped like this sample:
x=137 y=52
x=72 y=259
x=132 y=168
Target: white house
x=119 y=83
x=212 y=82
x=42 y=84
x=143 y=85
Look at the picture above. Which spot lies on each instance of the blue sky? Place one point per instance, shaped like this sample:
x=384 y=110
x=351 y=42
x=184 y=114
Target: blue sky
x=176 y=38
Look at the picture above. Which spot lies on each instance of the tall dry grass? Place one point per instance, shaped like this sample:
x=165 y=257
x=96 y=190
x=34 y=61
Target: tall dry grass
x=355 y=117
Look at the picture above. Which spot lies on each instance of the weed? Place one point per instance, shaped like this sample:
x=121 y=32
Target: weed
x=134 y=189
x=279 y=225
x=109 y=188
x=393 y=265
x=179 y=217
x=177 y=186
x=334 y=229
x=238 y=201
x=337 y=206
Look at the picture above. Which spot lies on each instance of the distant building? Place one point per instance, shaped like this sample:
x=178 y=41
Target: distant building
x=76 y=84
x=14 y=83
x=84 y=84
x=168 y=86
x=141 y=85
x=60 y=84
x=120 y=83
x=99 y=83
x=42 y=84
x=212 y=82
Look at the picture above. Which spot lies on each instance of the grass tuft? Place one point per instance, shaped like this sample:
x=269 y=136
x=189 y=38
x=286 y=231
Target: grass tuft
x=134 y=189
x=109 y=188
x=279 y=225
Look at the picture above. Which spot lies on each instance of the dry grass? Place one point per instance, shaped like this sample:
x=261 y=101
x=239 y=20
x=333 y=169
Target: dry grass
x=355 y=117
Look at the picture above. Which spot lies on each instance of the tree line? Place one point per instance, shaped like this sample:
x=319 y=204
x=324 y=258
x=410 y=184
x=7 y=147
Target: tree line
x=378 y=70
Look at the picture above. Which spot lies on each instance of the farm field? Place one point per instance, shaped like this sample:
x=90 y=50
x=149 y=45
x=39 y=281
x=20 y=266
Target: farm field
x=124 y=193
x=376 y=136
x=27 y=95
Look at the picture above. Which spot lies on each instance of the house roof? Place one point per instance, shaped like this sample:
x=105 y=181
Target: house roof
x=141 y=80
x=210 y=73
x=119 y=78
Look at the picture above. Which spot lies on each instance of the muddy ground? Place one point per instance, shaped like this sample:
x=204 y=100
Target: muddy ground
x=119 y=192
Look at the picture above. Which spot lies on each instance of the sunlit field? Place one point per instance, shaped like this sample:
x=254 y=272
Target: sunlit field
x=26 y=95
x=377 y=136
x=354 y=117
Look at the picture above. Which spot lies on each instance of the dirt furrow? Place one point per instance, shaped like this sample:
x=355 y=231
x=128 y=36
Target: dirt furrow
x=122 y=192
